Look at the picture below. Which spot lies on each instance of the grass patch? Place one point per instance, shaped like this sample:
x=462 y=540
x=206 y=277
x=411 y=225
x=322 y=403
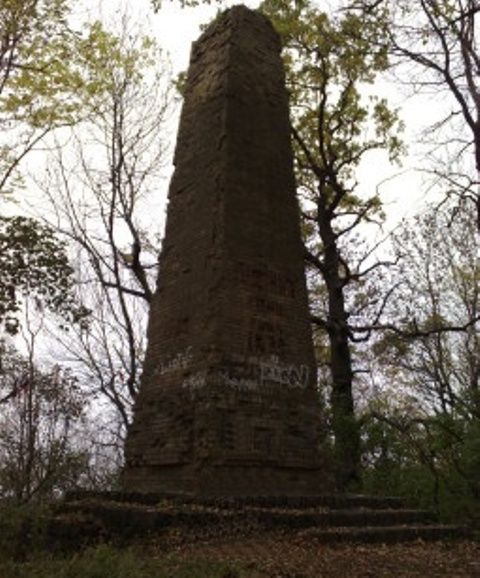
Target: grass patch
x=22 y=529
x=27 y=551
x=107 y=561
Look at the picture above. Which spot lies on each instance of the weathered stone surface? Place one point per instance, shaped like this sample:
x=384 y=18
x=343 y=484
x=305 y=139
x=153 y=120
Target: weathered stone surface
x=228 y=403
x=230 y=518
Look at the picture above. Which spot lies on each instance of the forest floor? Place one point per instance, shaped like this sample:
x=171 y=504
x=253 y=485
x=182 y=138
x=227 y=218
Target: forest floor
x=257 y=557
x=210 y=552
x=293 y=555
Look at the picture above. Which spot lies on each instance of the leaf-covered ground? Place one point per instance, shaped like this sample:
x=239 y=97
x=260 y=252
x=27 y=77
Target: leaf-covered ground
x=292 y=555
x=229 y=547
x=258 y=556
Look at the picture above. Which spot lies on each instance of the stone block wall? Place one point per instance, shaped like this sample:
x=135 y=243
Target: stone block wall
x=228 y=403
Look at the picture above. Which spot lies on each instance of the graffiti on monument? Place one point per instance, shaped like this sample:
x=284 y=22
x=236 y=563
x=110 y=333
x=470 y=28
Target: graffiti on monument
x=252 y=375
x=180 y=360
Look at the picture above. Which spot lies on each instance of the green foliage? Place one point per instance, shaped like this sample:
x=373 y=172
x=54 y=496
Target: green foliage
x=22 y=530
x=157 y=4
x=51 y=75
x=105 y=560
x=106 y=66
x=180 y=83
x=37 y=79
x=54 y=71
x=434 y=353
x=34 y=263
x=432 y=461
x=329 y=62
x=422 y=433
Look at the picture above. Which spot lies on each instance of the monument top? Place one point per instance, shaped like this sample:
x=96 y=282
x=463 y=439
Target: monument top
x=237 y=15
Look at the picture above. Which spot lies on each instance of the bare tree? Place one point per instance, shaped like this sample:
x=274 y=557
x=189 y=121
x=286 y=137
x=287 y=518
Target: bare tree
x=101 y=188
x=41 y=409
x=434 y=350
x=422 y=419
x=440 y=39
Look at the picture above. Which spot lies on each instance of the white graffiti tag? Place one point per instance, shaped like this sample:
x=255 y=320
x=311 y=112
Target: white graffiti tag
x=290 y=375
x=179 y=361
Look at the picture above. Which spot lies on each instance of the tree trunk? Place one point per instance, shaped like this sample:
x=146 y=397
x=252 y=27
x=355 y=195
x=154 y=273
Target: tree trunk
x=344 y=425
x=477 y=166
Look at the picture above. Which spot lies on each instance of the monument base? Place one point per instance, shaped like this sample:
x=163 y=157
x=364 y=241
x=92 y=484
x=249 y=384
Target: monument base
x=228 y=480
x=328 y=518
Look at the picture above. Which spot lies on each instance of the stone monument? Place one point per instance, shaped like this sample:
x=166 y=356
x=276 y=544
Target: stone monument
x=228 y=403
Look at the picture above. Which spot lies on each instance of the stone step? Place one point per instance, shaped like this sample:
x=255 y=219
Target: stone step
x=125 y=520
x=351 y=517
x=335 y=501
x=385 y=534
x=138 y=518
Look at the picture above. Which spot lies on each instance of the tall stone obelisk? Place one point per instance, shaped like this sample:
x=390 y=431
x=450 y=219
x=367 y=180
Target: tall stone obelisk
x=228 y=402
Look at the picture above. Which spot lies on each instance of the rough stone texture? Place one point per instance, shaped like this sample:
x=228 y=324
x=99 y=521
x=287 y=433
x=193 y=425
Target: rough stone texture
x=228 y=403
x=320 y=521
